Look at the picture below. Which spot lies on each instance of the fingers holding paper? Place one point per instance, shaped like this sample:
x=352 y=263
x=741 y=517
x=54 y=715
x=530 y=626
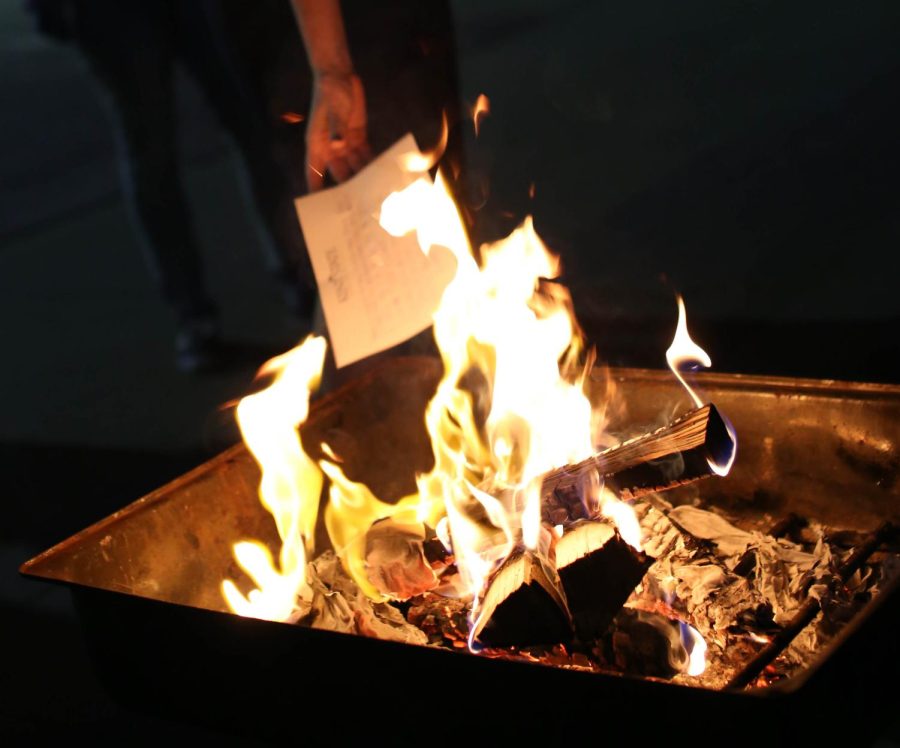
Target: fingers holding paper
x=336 y=140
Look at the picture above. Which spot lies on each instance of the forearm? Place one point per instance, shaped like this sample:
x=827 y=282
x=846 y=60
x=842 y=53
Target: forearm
x=322 y=29
x=336 y=140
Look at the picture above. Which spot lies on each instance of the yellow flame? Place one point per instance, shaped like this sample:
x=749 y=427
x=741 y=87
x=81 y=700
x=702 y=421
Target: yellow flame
x=481 y=109
x=417 y=162
x=290 y=485
x=510 y=407
x=352 y=509
x=601 y=500
x=511 y=403
x=624 y=518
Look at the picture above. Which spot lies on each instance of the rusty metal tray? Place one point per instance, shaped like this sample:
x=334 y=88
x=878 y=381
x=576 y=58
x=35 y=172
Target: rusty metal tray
x=146 y=582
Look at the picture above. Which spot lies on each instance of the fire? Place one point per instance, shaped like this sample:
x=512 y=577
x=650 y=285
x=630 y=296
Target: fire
x=601 y=501
x=510 y=407
x=352 y=509
x=511 y=404
x=684 y=353
x=624 y=518
x=481 y=109
x=695 y=644
x=290 y=485
x=418 y=163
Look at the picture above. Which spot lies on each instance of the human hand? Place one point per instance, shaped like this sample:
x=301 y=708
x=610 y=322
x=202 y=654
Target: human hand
x=336 y=140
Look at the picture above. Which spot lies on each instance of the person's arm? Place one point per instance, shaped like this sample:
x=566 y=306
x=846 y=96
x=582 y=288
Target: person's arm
x=336 y=140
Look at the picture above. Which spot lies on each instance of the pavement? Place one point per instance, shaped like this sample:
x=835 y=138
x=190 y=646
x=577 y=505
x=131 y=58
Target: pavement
x=744 y=154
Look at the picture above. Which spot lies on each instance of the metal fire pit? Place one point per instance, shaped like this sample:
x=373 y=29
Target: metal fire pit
x=146 y=583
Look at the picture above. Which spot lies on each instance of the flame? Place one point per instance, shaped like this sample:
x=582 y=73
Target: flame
x=290 y=485
x=695 y=644
x=600 y=500
x=685 y=353
x=352 y=509
x=624 y=518
x=691 y=639
x=416 y=162
x=510 y=406
x=511 y=403
x=481 y=109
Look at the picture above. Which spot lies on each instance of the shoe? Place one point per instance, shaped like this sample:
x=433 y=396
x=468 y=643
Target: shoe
x=198 y=346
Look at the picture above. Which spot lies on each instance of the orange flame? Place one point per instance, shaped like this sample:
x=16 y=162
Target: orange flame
x=623 y=517
x=511 y=404
x=481 y=109
x=352 y=509
x=290 y=485
x=510 y=407
x=416 y=162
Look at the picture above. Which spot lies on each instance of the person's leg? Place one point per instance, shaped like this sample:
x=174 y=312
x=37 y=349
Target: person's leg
x=130 y=48
x=227 y=81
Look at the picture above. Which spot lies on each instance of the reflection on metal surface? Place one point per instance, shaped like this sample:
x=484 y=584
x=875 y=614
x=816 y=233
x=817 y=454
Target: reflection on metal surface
x=824 y=450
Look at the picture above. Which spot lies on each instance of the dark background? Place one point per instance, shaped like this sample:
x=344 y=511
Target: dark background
x=743 y=153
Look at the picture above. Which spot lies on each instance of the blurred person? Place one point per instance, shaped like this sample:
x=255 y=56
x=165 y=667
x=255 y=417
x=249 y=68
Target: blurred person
x=356 y=77
x=132 y=48
x=379 y=70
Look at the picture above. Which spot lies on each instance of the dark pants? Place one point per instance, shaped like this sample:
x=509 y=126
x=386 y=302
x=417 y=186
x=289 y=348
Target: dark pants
x=133 y=47
x=405 y=54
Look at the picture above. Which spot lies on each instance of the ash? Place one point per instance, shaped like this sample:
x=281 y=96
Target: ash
x=737 y=587
x=336 y=603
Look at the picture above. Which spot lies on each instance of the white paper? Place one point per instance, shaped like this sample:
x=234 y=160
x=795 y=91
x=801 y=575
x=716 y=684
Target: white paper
x=377 y=290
